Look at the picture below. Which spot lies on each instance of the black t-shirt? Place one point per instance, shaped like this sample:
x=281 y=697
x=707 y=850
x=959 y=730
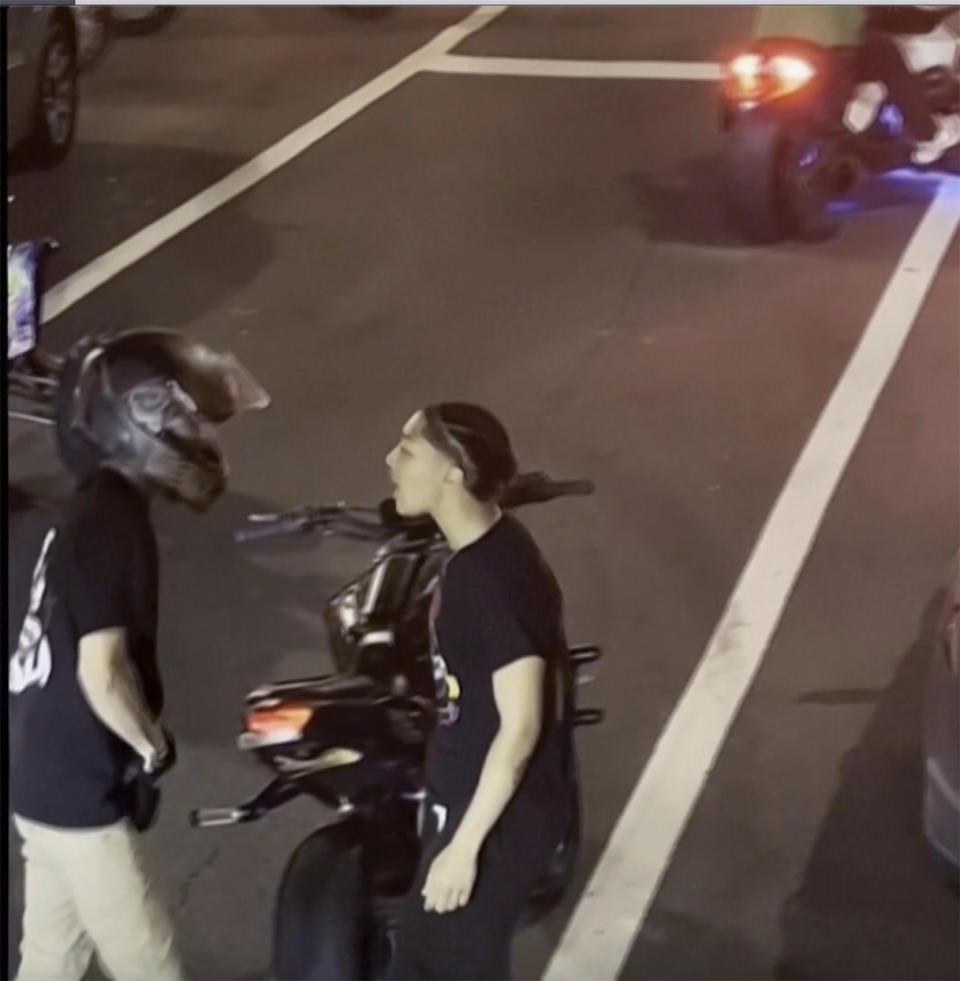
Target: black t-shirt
x=97 y=569
x=497 y=602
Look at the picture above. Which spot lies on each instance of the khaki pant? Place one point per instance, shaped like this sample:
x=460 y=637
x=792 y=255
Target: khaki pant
x=86 y=890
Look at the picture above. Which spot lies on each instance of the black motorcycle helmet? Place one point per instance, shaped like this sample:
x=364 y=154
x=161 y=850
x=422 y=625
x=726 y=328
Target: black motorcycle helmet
x=146 y=402
x=476 y=440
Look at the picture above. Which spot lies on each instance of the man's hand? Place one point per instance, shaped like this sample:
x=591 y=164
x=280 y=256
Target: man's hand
x=112 y=688
x=162 y=755
x=161 y=759
x=450 y=880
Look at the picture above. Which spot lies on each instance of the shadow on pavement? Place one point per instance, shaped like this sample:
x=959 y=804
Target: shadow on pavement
x=685 y=205
x=105 y=192
x=682 y=205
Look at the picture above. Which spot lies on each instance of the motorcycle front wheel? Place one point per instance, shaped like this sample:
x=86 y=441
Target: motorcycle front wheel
x=777 y=180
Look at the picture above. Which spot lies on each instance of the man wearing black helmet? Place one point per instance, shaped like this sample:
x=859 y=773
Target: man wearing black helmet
x=135 y=421
x=498 y=795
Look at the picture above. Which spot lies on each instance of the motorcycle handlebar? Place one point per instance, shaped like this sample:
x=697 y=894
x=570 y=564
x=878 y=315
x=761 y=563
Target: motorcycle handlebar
x=270 y=529
x=362 y=523
x=377 y=524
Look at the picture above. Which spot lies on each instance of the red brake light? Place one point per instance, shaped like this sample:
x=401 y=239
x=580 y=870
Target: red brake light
x=791 y=72
x=745 y=76
x=751 y=76
x=286 y=717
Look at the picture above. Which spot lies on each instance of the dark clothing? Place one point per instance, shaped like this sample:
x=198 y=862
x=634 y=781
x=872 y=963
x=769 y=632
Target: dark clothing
x=498 y=602
x=473 y=943
x=98 y=569
x=879 y=59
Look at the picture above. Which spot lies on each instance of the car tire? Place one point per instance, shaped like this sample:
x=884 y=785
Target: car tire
x=55 y=106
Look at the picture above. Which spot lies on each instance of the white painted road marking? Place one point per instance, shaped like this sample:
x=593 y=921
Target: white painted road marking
x=615 y=903
x=668 y=71
x=84 y=281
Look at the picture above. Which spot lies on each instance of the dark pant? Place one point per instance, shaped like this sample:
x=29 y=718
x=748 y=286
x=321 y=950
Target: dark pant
x=474 y=941
x=880 y=60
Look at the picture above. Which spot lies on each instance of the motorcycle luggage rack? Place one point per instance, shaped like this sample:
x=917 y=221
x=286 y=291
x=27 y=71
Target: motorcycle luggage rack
x=582 y=654
x=588 y=717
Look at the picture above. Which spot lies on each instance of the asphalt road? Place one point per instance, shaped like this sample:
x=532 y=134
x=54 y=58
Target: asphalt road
x=556 y=249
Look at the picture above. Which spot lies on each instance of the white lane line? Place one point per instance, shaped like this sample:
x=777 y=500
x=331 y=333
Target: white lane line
x=628 y=875
x=669 y=71
x=84 y=281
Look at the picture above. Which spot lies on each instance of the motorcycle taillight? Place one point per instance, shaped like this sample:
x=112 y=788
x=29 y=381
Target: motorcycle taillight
x=744 y=78
x=285 y=717
x=752 y=77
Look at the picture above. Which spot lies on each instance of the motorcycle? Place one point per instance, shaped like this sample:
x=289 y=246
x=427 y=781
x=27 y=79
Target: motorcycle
x=787 y=153
x=355 y=741
x=32 y=372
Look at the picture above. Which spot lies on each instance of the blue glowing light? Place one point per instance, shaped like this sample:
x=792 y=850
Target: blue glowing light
x=891 y=119
x=843 y=206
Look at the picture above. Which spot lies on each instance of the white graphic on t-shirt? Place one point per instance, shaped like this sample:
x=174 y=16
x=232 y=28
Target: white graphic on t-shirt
x=32 y=662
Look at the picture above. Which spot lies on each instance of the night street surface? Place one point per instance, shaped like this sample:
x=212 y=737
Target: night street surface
x=557 y=249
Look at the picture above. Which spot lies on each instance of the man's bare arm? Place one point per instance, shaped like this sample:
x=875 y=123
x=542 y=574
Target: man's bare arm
x=110 y=685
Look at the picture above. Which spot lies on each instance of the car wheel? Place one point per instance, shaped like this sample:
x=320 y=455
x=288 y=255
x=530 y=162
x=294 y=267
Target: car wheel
x=55 y=108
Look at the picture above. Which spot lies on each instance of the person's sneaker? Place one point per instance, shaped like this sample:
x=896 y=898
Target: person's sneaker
x=947 y=135
x=862 y=109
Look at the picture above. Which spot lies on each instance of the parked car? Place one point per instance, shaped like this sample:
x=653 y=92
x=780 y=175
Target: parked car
x=41 y=81
x=131 y=21
x=941 y=737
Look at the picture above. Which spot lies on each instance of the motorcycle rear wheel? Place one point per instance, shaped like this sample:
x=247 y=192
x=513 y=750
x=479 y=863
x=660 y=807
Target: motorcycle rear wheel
x=324 y=926
x=776 y=181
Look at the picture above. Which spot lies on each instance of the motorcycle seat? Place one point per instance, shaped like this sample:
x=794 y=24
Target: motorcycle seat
x=356 y=685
